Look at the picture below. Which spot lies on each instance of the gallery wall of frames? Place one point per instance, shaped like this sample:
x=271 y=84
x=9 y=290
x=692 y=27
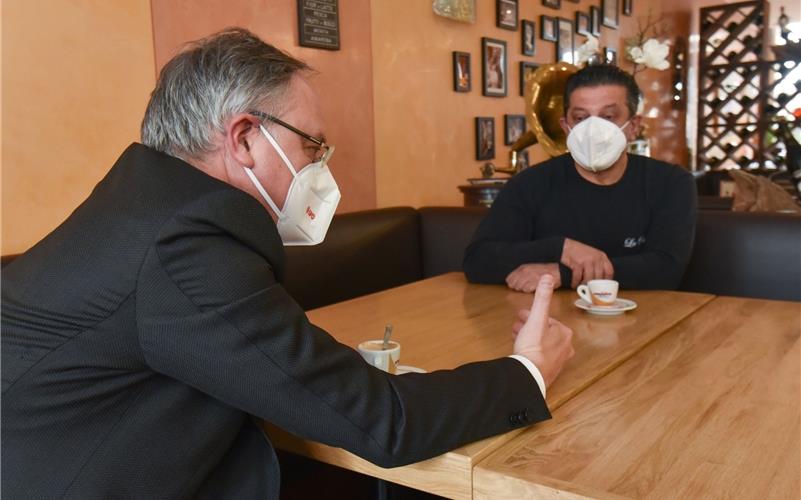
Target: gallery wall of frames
x=454 y=81
x=554 y=33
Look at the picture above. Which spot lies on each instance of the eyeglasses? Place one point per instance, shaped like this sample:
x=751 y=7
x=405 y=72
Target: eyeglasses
x=323 y=152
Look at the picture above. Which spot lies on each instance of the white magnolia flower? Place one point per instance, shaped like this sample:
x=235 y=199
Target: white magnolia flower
x=652 y=54
x=587 y=50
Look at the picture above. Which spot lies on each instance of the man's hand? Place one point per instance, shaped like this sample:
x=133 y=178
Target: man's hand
x=526 y=276
x=586 y=262
x=544 y=341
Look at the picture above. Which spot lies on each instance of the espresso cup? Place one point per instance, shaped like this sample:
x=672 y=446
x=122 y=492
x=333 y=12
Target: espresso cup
x=599 y=292
x=384 y=359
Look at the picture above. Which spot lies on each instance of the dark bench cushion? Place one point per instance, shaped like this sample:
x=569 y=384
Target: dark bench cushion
x=746 y=254
x=363 y=252
x=445 y=233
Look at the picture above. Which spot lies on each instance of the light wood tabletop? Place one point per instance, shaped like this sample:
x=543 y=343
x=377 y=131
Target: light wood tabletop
x=443 y=322
x=711 y=409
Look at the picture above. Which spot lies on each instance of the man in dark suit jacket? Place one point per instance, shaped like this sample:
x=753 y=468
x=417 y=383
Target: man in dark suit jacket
x=142 y=335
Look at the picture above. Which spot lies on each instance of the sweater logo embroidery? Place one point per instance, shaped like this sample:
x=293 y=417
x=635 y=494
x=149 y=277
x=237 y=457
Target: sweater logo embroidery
x=634 y=242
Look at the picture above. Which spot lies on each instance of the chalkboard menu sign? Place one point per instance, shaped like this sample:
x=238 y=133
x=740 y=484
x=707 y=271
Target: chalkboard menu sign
x=318 y=24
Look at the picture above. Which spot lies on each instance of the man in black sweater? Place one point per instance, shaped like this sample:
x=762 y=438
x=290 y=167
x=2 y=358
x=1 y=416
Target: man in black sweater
x=596 y=213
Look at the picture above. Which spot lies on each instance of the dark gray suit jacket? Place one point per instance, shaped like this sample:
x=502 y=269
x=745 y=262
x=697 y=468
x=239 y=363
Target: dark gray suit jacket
x=140 y=336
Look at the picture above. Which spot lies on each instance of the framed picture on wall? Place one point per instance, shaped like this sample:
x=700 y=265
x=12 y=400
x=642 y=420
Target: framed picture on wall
x=485 y=138
x=627 y=7
x=506 y=14
x=494 y=67
x=564 y=40
x=548 y=28
x=554 y=4
x=610 y=56
x=526 y=68
x=528 y=37
x=595 y=21
x=583 y=24
x=609 y=13
x=462 y=80
x=523 y=159
x=513 y=128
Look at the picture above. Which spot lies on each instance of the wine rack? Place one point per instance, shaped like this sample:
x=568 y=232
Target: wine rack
x=743 y=93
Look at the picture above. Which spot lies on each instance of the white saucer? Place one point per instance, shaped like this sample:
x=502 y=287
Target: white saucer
x=619 y=307
x=401 y=369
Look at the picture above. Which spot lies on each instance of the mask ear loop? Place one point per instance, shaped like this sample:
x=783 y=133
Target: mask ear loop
x=261 y=191
x=278 y=150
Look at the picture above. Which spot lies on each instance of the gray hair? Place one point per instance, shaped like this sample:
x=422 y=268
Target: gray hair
x=212 y=79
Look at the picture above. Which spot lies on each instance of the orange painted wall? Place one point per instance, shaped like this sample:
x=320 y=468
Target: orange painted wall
x=76 y=78
x=343 y=79
x=425 y=145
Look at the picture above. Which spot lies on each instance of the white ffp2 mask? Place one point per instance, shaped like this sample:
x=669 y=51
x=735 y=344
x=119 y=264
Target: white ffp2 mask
x=310 y=203
x=596 y=144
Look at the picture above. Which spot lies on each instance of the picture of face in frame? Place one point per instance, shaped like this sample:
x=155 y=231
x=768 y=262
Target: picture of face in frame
x=462 y=79
x=526 y=68
x=610 y=56
x=528 y=37
x=485 y=138
x=610 y=10
x=583 y=25
x=513 y=128
x=547 y=28
x=595 y=21
x=506 y=14
x=493 y=59
x=564 y=42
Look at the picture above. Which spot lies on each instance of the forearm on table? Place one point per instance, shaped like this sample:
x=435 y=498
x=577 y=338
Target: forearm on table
x=492 y=261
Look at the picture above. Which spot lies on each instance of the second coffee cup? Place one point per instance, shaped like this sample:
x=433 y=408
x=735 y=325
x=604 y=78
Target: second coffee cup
x=599 y=292
x=384 y=359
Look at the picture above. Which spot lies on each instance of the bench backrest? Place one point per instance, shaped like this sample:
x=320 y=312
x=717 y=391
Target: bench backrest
x=746 y=254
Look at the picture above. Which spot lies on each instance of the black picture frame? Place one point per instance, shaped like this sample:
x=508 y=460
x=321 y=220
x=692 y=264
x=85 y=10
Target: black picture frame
x=610 y=13
x=628 y=7
x=547 y=28
x=610 y=56
x=513 y=127
x=553 y=4
x=565 y=40
x=595 y=21
x=583 y=24
x=526 y=68
x=506 y=14
x=528 y=37
x=485 y=137
x=318 y=26
x=494 y=68
x=462 y=73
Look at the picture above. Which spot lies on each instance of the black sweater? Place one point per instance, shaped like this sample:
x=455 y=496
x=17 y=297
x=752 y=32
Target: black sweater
x=645 y=222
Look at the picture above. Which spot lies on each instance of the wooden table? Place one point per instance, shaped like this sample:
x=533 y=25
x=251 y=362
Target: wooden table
x=711 y=409
x=444 y=322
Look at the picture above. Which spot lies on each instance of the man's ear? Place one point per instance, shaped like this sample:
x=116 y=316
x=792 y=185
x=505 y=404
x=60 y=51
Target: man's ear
x=563 y=124
x=240 y=131
x=633 y=130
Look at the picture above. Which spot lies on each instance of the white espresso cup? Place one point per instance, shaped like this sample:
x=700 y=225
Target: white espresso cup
x=384 y=359
x=599 y=292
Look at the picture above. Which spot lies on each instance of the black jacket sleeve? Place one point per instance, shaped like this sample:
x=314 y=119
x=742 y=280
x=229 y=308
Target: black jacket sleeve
x=211 y=313
x=669 y=239
x=503 y=240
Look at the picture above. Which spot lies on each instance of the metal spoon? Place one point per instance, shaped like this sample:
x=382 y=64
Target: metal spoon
x=387 y=335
